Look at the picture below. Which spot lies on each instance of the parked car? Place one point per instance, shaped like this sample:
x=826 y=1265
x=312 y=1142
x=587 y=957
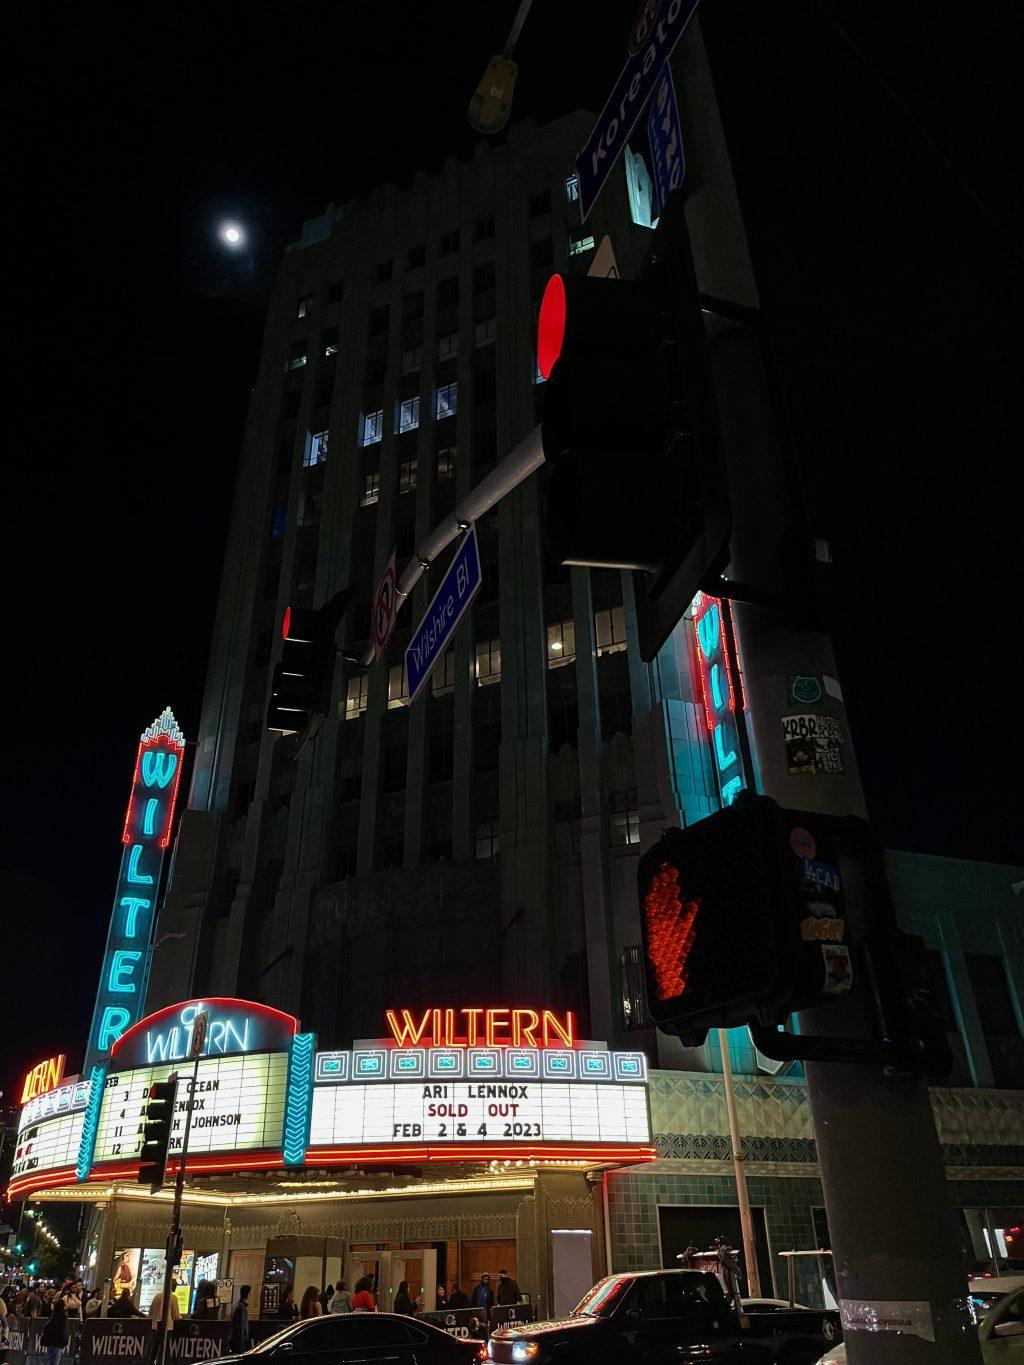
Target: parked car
x=361 y=1339
x=771 y=1305
x=659 y=1316
x=1001 y=1333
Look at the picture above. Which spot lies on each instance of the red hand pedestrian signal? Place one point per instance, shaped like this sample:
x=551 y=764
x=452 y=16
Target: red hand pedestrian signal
x=670 y=931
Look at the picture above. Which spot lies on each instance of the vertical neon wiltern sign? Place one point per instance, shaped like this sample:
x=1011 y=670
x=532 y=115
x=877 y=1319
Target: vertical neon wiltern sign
x=712 y=668
x=121 y=996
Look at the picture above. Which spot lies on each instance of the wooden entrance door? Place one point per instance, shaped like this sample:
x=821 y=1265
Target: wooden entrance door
x=489 y=1257
x=246 y=1267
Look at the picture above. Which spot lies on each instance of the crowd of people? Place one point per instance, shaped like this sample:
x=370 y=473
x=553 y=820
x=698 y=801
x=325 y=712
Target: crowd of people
x=364 y=1298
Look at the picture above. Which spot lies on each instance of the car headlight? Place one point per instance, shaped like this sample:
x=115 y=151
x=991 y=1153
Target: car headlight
x=525 y=1350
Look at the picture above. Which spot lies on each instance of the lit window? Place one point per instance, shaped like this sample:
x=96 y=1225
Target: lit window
x=409 y=414
x=296 y=356
x=447 y=345
x=572 y=190
x=316 y=452
x=279 y=520
x=371 y=489
x=329 y=340
x=610 y=629
x=412 y=359
x=488 y=662
x=561 y=644
x=446 y=462
x=357 y=696
x=443 y=678
x=305 y=305
x=373 y=427
x=407 y=476
x=398 y=687
x=580 y=240
x=485 y=331
x=447 y=401
x=486 y=838
x=624 y=826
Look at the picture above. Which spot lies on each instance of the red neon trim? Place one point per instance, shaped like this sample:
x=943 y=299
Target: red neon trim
x=551 y=325
x=703 y=666
x=165 y=838
x=221 y=1001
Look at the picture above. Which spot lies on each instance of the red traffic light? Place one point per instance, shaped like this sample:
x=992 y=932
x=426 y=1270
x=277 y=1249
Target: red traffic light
x=286 y=623
x=551 y=326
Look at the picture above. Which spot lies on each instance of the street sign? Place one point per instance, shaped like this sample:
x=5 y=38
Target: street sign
x=619 y=115
x=199 y=1023
x=665 y=134
x=449 y=604
x=604 y=265
x=385 y=607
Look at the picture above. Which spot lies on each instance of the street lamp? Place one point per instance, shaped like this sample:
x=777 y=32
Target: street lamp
x=491 y=103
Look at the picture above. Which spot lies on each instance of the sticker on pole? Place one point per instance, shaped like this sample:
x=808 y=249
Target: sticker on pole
x=385 y=607
x=912 y=1317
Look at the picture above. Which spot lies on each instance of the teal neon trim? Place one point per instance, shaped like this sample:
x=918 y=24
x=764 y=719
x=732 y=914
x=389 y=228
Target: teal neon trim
x=707 y=630
x=122 y=967
x=113 y=1022
x=719 y=696
x=149 y=819
x=299 y=1099
x=158 y=767
x=133 y=904
x=133 y=876
x=731 y=790
x=724 y=760
x=91 y=1122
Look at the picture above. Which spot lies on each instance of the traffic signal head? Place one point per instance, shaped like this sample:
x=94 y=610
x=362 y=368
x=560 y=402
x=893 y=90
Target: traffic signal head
x=630 y=427
x=158 y=1117
x=742 y=919
x=300 y=689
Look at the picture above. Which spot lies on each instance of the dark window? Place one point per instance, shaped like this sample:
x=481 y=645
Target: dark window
x=616 y=715
x=395 y=762
x=383 y=271
x=412 y=306
x=634 y=991
x=542 y=253
x=441 y=758
x=942 y=999
x=483 y=277
x=389 y=854
x=379 y=320
x=375 y=372
x=417 y=256
x=992 y=995
x=485 y=451
x=448 y=292
x=335 y=291
x=485 y=384
x=290 y=404
x=563 y=725
x=279 y=520
x=487 y=742
x=484 y=228
x=449 y=243
x=540 y=203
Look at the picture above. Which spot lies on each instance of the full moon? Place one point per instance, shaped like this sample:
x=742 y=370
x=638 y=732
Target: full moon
x=231 y=234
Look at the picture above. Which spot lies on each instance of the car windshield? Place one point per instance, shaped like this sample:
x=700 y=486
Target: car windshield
x=269 y=1343
x=599 y=1301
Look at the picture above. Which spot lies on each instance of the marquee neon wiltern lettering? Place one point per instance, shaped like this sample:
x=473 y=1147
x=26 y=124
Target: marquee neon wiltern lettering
x=482 y=1028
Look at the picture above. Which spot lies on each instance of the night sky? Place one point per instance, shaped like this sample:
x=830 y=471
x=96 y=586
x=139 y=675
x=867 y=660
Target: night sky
x=132 y=339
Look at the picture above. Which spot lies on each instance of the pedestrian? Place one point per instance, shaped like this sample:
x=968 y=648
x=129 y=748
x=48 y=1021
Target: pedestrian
x=508 y=1290
x=483 y=1294
x=54 y=1335
x=362 y=1300
x=287 y=1308
x=33 y=1305
x=310 y=1305
x=240 y=1321
x=456 y=1299
x=5 y=1331
x=93 y=1303
x=440 y=1299
x=341 y=1300
x=205 y=1307
x=124 y=1308
x=173 y=1308
x=403 y=1303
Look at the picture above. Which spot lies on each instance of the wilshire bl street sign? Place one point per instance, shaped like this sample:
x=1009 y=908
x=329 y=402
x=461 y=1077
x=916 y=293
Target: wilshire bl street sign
x=636 y=81
x=449 y=604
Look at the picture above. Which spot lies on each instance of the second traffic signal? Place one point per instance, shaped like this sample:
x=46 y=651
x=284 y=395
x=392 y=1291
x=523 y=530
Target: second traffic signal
x=300 y=689
x=158 y=1116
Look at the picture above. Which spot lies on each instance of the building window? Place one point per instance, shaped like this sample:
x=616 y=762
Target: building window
x=305 y=305
x=310 y=507
x=572 y=190
x=357 y=696
x=296 y=356
x=407 y=475
x=483 y=277
x=540 y=203
x=446 y=462
x=398 y=687
x=371 y=489
x=412 y=359
x=485 y=331
x=485 y=384
x=624 y=825
x=441 y=749
x=487 y=746
x=448 y=292
x=279 y=520
x=635 y=1014
x=417 y=256
x=610 y=629
x=376 y=370
x=447 y=345
x=316 y=452
x=409 y=414
x=616 y=714
x=485 y=228
x=373 y=427
x=449 y=243
x=329 y=341
x=383 y=271
x=486 y=838
x=561 y=644
x=580 y=240
x=379 y=320
x=542 y=253
x=335 y=291
x=488 y=662
x=992 y=995
x=447 y=401
x=442 y=682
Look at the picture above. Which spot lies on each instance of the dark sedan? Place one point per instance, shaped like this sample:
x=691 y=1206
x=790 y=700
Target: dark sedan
x=358 y=1338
